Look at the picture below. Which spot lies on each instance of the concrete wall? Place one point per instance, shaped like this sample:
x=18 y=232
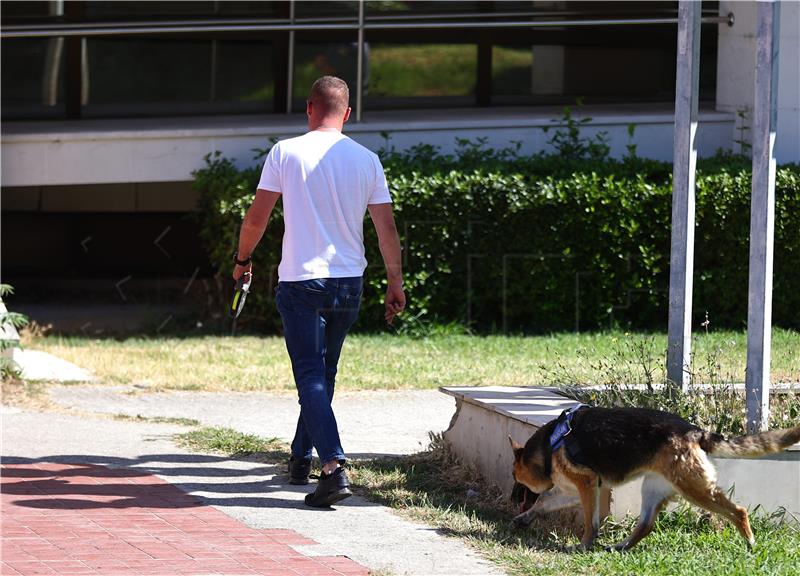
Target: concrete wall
x=124 y=151
x=736 y=74
x=480 y=437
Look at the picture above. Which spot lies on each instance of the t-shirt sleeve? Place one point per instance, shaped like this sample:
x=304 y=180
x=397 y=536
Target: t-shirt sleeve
x=271 y=174
x=380 y=191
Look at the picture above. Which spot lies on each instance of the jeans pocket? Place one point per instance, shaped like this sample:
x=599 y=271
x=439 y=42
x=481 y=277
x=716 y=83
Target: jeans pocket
x=311 y=286
x=351 y=305
x=294 y=298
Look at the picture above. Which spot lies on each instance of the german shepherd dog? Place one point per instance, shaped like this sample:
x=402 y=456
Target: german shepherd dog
x=610 y=446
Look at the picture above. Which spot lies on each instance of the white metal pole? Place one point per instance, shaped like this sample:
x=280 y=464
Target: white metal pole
x=360 y=62
x=679 y=339
x=290 y=58
x=762 y=217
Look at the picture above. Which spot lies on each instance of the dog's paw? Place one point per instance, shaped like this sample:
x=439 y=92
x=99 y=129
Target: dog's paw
x=579 y=548
x=521 y=521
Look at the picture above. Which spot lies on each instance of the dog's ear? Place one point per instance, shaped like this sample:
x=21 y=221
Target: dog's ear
x=517 y=448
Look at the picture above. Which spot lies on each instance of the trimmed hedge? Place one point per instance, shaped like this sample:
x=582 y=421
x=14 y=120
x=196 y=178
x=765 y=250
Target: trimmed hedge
x=497 y=241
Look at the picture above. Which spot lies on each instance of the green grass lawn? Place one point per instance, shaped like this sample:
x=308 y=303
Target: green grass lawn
x=430 y=487
x=433 y=488
x=395 y=362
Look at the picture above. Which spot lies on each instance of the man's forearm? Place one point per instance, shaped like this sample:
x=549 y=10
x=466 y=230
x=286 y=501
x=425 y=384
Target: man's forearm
x=250 y=235
x=388 y=241
x=392 y=259
x=255 y=222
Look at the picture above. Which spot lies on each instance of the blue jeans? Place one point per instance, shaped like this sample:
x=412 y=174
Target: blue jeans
x=316 y=316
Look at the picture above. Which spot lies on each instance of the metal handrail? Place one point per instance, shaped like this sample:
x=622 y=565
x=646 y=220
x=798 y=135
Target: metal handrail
x=539 y=24
x=257 y=25
x=313 y=19
x=483 y=15
x=188 y=29
x=140 y=23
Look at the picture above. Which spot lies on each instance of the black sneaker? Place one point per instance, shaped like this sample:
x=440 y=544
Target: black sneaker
x=299 y=470
x=331 y=488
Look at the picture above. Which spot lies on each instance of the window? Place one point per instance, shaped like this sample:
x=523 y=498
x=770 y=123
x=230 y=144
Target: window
x=438 y=63
x=313 y=60
x=156 y=76
x=404 y=75
x=33 y=78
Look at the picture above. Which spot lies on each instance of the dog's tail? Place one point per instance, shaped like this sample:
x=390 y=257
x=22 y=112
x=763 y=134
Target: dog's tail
x=750 y=446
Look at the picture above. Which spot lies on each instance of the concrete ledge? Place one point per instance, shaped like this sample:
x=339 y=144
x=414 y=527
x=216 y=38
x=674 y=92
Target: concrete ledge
x=486 y=416
x=391 y=121
x=53 y=153
x=37 y=365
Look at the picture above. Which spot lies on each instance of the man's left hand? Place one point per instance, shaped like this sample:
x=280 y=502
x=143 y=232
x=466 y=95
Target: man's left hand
x=395 y=301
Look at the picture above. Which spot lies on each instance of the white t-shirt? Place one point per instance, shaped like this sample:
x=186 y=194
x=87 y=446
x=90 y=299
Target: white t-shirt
x=327 y=181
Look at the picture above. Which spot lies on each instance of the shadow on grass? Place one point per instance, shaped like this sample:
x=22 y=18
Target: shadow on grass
x=434 y=487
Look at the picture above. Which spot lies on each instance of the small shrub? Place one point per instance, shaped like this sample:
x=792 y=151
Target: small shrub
x=634 y=376
x=570 y=143
x=8 y=368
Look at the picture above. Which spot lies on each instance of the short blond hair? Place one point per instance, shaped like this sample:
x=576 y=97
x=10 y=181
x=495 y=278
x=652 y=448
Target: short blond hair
x=331 y=95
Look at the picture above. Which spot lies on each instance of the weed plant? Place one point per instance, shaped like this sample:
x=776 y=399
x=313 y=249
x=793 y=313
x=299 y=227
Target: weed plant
x=633 y=375
x=9 y=370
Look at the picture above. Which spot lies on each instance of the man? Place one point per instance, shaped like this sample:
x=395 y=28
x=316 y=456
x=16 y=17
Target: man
x=328 y=182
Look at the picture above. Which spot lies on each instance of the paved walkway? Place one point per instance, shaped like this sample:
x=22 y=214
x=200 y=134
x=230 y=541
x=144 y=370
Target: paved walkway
x=370 y=422
x=77 y=468
x=88 y=519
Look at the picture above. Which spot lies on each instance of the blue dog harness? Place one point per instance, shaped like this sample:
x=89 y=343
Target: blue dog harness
x=563 y=427
x=561 y=436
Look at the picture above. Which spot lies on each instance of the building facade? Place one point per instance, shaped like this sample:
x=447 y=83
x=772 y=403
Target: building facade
x=108 y=107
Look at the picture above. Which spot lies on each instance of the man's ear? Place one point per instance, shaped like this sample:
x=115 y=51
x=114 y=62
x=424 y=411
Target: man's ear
x=347 y=115
x=517 y=448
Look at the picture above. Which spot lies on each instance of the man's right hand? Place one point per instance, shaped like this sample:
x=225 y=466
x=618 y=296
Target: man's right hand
x=395 y=301
x=239 y=270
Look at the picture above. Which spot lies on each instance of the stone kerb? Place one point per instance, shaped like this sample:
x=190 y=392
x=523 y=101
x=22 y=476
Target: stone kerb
x=486 y=416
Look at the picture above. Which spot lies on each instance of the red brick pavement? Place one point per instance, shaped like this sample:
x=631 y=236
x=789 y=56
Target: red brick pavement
x=86 y=519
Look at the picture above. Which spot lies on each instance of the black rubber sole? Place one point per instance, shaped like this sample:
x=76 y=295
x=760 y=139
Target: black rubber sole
x=298 y=481
x=330 y=499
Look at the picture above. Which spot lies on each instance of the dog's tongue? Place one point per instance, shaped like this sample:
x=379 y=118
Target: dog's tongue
x=523 y=507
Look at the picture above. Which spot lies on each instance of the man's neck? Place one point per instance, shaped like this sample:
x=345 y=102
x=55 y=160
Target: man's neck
x=326 y=125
